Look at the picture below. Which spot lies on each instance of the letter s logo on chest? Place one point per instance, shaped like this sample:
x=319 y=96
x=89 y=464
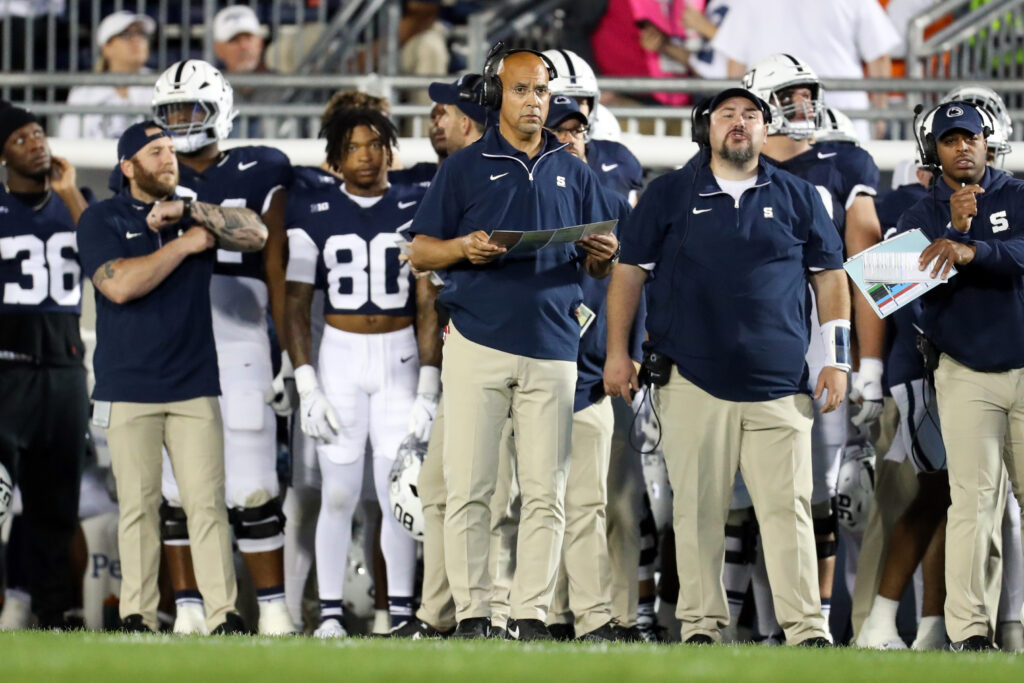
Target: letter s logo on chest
x=999 y=221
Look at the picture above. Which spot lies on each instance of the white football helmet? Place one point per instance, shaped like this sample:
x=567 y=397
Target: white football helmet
x=403 y=494
x=604 y=125
x=194 y=101
x=6 y=494
x=836 y=127
x=990 y=104
x=771 y=78
x=856 y=487
x=576 y=79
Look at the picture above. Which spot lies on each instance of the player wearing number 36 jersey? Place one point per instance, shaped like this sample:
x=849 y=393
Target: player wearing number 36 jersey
x=343 y=240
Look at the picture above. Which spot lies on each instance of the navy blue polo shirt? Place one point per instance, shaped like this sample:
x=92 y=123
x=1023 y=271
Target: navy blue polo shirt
x=615 y=166
x=593 y=343
x=522 y=304
x=157 y=348
x=978 y=316
x=859 y=170
x=824 y=174
x=903 y=362
x=728 y=299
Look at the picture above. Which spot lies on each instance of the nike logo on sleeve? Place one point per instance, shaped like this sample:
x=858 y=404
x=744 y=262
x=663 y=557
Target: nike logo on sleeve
x=829 y=155
x=132 y=235
x=405 y=205
x=608 y=167
x=244 y=167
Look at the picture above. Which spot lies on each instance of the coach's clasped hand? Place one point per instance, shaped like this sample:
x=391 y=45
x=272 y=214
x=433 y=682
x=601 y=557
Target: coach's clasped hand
x=477 y=249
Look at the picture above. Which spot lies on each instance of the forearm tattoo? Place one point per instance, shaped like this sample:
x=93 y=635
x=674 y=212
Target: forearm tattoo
x=103 y=273
x=234 y=227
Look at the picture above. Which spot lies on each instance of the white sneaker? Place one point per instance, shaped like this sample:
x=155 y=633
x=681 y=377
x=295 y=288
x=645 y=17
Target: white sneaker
x=17 y=612
x=931 y=634
x=330 y=628
x=880 y=639
x=190 y=619
x=275 y=620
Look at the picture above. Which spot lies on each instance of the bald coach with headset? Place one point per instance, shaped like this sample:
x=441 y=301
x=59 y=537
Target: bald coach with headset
x=514 y=334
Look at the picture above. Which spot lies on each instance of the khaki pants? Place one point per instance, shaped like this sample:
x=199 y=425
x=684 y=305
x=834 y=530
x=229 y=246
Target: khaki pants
x=705 y=440
x=982 y=418
x=436 y=606
x=505 y=512
x=584 y=585
x=625 y=509
x=192 y=432
x=481 y=386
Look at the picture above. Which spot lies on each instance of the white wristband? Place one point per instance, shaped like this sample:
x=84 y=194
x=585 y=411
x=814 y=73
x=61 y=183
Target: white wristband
x=430 y=380
x=871 y=369
x=835 y=337
x=305 y=379
x=286 y=365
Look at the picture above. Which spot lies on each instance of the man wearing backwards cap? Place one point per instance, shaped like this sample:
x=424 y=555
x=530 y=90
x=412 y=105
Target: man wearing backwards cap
x=976 y=322
x=150 y=256
x=43 y=409
x=732 y=243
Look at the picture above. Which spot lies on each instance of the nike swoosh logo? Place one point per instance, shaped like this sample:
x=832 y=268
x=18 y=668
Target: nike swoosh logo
x=406 y=359
x=514 y=632
x=243 y=167
x=697 y=212
x=405 y=205
x=829 y=155
x=608 y=167
x=132 y=235
x=495 y=177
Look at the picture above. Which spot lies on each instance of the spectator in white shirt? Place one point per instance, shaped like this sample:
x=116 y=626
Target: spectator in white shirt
x=837 y=39
x=123 y=39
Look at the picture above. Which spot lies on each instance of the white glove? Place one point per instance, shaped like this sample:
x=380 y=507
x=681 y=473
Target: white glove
x=317 y=415
x=424 y=410
x=866 y=389
x=281 y=394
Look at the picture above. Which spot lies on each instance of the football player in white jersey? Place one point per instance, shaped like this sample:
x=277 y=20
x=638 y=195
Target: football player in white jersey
x=375 y=368
x=194 y=101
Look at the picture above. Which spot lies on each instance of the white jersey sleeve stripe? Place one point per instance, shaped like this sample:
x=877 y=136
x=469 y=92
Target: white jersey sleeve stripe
x=857 y=191
x=302 y=257
x=269 y=197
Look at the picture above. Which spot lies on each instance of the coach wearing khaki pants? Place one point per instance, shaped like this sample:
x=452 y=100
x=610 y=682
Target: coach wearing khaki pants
x=733 y=245
x=151 y=258
x=513 y=337
x=976 y=321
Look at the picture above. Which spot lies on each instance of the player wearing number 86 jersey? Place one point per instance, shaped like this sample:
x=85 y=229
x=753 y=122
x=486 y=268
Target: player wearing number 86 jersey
x=343 y=240
x=43 y=400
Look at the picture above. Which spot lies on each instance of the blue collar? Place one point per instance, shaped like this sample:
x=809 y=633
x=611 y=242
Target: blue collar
x=707 y=185
x=941 y=190
x=495 y=143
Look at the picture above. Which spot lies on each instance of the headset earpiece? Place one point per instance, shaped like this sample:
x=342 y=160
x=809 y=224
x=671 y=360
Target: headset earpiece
x=700 y=123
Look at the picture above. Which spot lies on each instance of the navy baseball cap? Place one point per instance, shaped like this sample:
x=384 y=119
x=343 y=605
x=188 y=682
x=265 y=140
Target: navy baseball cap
x=457 y=93
x=957 y=116
x=730 y=93
x=561 y=108
x=135 y=138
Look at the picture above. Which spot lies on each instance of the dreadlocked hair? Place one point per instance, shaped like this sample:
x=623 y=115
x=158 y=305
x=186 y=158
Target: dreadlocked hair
x=337 y=130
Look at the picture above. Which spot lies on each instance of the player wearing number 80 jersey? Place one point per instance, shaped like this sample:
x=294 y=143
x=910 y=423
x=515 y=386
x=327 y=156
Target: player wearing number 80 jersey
x=343 y=239
x=43 y=401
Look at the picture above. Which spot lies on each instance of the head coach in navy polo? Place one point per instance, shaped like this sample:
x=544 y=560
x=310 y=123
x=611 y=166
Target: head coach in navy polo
x=514 y=333
x=976 y=323
x=151 y=256
x=730 y=243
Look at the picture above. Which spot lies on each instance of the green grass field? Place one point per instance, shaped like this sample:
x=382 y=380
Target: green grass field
x=26 y=657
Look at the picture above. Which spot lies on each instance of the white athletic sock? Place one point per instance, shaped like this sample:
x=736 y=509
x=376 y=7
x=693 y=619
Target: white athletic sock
x=883 y=613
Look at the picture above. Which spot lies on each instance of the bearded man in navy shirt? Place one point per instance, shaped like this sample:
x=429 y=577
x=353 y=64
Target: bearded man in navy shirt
x=514 y=334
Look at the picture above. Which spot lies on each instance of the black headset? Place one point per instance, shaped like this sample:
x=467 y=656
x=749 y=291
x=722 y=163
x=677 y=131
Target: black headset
x=489 y=92
x=700 y=119
x=926 y=143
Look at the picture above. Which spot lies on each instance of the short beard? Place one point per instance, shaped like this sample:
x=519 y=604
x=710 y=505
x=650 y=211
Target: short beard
x=737 y=157
x=148 y=183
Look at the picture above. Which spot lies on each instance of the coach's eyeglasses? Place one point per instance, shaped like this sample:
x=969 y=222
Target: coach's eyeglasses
x=541 y=91
x=577 y=132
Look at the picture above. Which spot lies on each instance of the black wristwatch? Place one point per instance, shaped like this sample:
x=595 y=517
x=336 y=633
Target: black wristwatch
x=186 y=208
x=618 y=251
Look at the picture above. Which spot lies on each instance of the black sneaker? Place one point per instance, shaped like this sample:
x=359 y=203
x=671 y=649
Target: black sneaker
x=602 y=634
x=816 y=641
x=562 y=632
x=417 y=629
x=133 y=623
x=231 y=626
x=528 y=629
x=973 y=644
x=498 y=633
x=699 y=639
x=469 y=629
